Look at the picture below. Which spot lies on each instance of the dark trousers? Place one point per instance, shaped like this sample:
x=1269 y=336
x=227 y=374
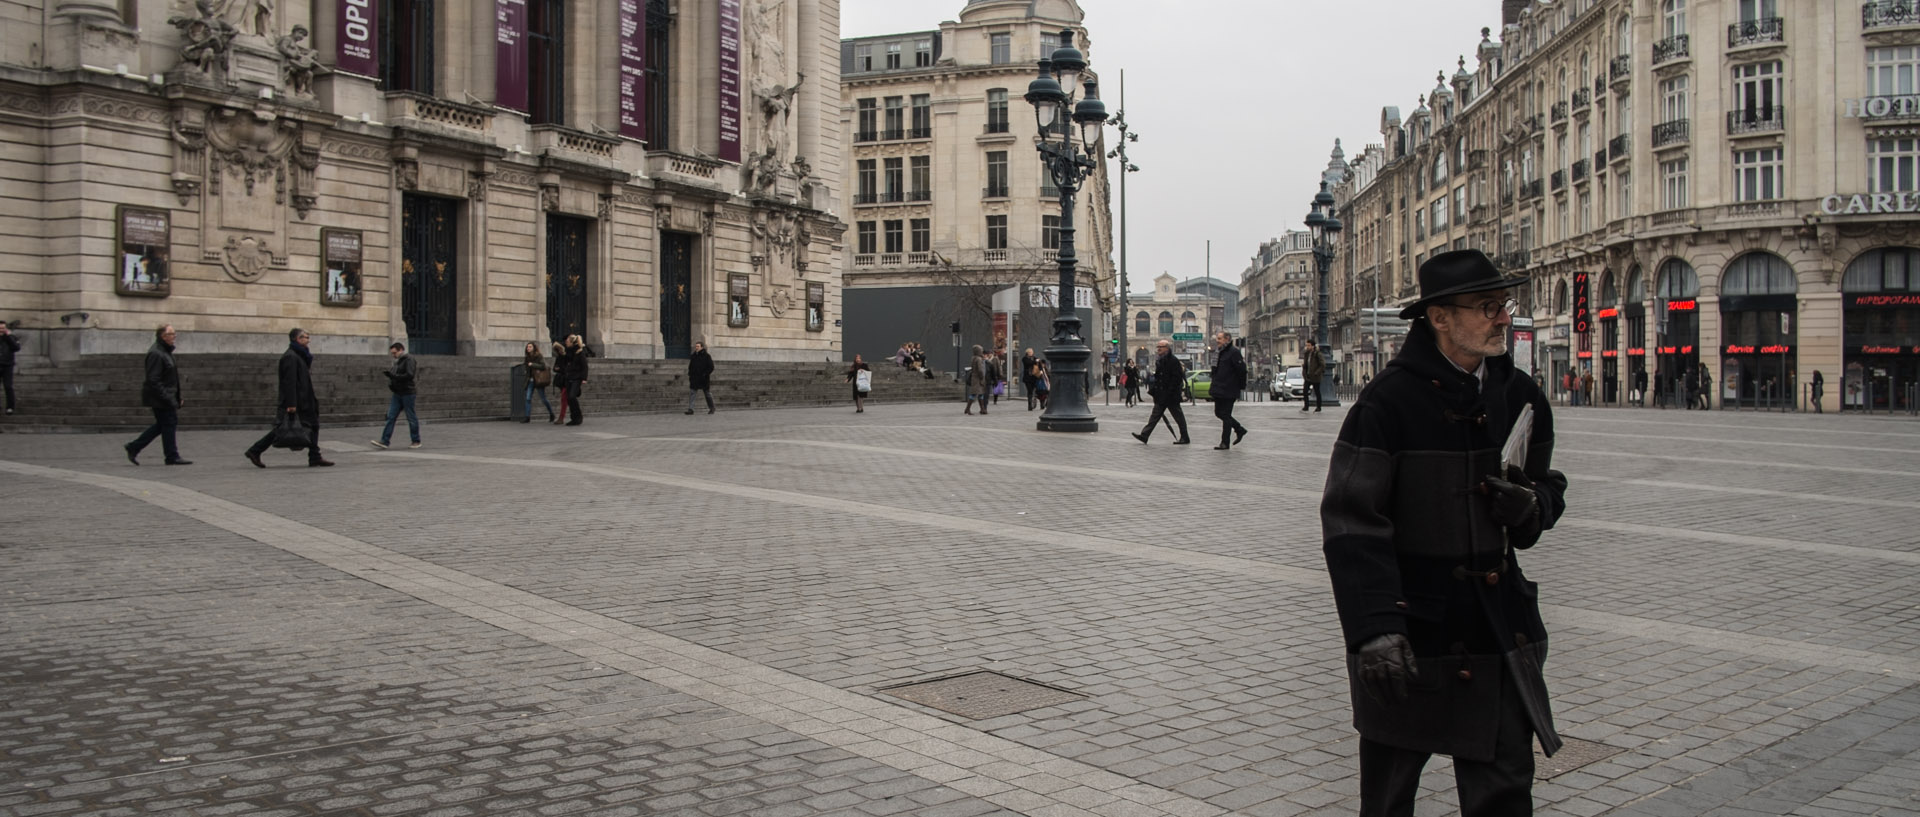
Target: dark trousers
x=706 y=392
x=1390 y=777
x=573 y=402
x=6 y=379
x=165 y=421
x=1310 y=395
x=1162 y=408
x=313 y=444
x=1031 y=397
x=1223 y=409
x=1818 y=392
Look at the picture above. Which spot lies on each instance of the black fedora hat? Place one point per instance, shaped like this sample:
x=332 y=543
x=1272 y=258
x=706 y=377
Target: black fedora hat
x=1457 y=273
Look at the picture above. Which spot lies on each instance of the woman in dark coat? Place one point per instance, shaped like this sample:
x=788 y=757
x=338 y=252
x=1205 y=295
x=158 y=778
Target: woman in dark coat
x=538 y=376
x=699 y=376
x=576 y=369
x=560 y=380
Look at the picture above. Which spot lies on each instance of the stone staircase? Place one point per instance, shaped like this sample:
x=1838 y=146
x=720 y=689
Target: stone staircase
x=102 y=392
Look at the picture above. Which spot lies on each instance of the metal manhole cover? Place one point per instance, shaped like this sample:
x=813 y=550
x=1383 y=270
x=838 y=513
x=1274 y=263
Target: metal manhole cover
x=981 y=695
x=1573 y=754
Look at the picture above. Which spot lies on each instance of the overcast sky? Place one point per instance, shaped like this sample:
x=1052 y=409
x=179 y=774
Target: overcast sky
x=1237 y=103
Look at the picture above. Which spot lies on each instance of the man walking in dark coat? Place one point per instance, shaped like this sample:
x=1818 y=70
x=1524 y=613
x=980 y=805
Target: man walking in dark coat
x=1229 y=379
x=1169 y=379
x=1313 y=368
x=160 y=391
x=1027 y=381
x=403 y=380
x=1421 y=521
x=700 y=376
x=296 y=398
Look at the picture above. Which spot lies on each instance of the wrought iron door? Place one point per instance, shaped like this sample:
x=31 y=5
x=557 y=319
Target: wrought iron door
x=566 y=276
x=676 y=294
x=429 y=231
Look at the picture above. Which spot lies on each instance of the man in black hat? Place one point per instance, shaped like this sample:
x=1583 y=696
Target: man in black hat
x=1169 y=378
x=1421 y=520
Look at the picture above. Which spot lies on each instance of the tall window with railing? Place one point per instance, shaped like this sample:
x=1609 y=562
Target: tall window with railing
x=1759 y=174
x=1892 y=165
x=1757 y=97
x=896 y=118
x=996 y=232
x=867 y=126
x=406 y=45
x=922 y=116
x=546 y=62
x=997 y=110
x=996 y=174
x=920 y=230
x=868 y=237
x=893 y=230
x=659 y=80
x=920 y=178
x=867 y=181
x=1673 y=183
x=896 y=179
x=1893 y=71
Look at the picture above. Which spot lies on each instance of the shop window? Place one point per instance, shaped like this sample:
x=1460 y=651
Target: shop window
x=1758 y=273
x=1894 y=269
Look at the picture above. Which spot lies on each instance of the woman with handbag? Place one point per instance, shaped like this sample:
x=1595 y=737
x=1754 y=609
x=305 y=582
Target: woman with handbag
x=538 y=378
x=576 y=371
x=860 y=376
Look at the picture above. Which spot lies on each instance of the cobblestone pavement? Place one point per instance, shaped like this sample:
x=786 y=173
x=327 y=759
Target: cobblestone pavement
x=699 y=615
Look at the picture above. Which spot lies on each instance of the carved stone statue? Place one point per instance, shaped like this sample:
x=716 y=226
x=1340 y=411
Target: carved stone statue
x=208 y=38
x=298 y=65
x=803 y=176
x=766 y=32
x=250 y=16
x=776 y=107
x=766 y=170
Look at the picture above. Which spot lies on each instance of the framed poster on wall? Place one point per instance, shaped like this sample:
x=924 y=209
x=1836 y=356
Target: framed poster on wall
x=816 y=307
x=143 y=239
x=340 y=264
x=737 y=299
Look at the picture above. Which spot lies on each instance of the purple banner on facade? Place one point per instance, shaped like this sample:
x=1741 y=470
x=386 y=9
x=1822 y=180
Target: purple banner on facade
x=357 y=41
x=633 y=70
x=510 y=54
x=730 y=80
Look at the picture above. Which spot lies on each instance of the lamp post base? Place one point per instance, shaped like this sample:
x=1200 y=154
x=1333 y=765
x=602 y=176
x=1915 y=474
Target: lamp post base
x=1067 y=408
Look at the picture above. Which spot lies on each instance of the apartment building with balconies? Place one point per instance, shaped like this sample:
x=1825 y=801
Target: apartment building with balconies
x=949 y=202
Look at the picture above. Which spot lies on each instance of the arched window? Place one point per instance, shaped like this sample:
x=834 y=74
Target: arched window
x=1440 y=167
x=1562 y=96
x=1166 y=323
x=1636 y=286
x=1561 y=301
x=1758 y=273
x=1142 y=323
x=1586 y=71
x=1609 y=292
x=1623 y=36
x=1673 y=18
x=1189 y=323
x=1676 y=281
x=1893 y=269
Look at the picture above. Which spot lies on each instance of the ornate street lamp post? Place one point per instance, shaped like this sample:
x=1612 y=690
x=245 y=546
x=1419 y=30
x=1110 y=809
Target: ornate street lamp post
x=1326 y=235
x=1051 y=95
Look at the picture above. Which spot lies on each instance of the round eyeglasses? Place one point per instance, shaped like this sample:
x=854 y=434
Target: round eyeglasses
x=1490 y=309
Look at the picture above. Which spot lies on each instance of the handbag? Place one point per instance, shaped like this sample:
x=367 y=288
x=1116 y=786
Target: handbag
x=289 y=433
x=1000 y=388
x=863 y=381
x=542 y=378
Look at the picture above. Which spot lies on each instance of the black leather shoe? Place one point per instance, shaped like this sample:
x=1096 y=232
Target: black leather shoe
x=1141 y=437
x=1183 y=441
x=255 y=459
x=319 y=463
x=1239 y=435
x=689 y=411
x=132 y=456
x=1222 y=447
x=180 y=462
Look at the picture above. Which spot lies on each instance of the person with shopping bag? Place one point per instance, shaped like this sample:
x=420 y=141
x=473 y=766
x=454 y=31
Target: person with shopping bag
x=860 y=376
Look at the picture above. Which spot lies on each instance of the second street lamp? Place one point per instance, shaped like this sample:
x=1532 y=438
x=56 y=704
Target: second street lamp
x=1326 y=236
x=1052 y=97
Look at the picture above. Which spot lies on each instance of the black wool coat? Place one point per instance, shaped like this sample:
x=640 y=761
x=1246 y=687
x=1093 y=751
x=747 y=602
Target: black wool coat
x=296 y=388
x=161 y=387
x=699 y=370
x=1410 y=540
x=1169 y=379
x=1229 y=376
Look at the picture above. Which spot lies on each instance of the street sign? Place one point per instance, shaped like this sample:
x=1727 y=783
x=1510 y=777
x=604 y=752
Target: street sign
x=1187 y=336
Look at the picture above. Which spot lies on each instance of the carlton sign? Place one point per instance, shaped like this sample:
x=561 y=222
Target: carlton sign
x=1860 y=204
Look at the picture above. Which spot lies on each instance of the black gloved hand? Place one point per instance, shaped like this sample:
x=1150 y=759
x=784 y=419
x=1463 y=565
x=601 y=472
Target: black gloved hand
x=1514 y=502
x=1386 y=664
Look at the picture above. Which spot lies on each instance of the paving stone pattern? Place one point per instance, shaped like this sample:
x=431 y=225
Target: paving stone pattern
x=695 y=615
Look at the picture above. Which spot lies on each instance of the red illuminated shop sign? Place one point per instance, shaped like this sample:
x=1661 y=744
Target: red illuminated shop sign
x=1582 y=318
x=1779 y=349
x=1676 y=350
x=1688 y=305
x=1636 y=352
x=1610 y=353
x=1586 y=355
x=1886 y=300
x=1608 y=313
x=1890 y=350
